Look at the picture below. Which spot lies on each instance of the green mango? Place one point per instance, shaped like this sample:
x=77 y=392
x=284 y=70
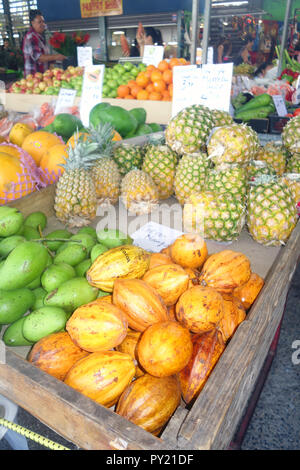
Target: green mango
x=11 y=219
x=101 y=293
x=113 y=238
x=60 y=233
x=87 y=240
x=90 y=230
x=21 y=230
x=36 y=219
x=31 y=233
x=35 y=283
x=24 y=264
x=82 y=267
x=70 y=253
x=44 y=321
x=14 y=303
x=72 y=294
x=9 y=243
x=55 y=275
x=13 y=335
x=39 y=294
x=97 y=250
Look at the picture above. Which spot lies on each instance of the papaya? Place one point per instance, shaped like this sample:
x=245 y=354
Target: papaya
x=66 y=124
x=139 y=114
x=143 y=129
x=24 y=264
x=14 y=303
x=93 y=117
x=155 y=127
x=120 y=119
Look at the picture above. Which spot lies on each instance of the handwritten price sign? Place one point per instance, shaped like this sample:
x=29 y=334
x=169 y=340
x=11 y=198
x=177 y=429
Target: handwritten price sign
x=186 y=81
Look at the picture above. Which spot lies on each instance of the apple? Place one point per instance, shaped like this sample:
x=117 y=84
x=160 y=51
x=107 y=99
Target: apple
x=37 y=91
x=71 y=69
x=42 y=86
x=56 y=83
x=48 y=74
x=23 y=81
x=16 y=90
x=29 y=77
x=38 y=75
x=29 y=83
x=36 y=81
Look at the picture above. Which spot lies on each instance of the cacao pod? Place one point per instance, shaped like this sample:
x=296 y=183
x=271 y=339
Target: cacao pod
x=141 y=303
x=207 y=349
x=248 y=292
x=55 y=354
x=170 y=281
x=200 y=309
x=166 y=251
x=164 y=348
x=189 y=250
x=157 y=259
x=172 y=312
x=150 y=401
x=102 y=376
x=97 y=326
x=125 y=262
x=193 y=277
x=234 y=314
x=129 y=346
x=226 y=270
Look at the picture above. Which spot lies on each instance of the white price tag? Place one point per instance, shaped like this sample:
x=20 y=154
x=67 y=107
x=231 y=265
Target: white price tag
x=153 y=55
x=297 y=100
x=215 y=87
x=65 y=99
x=154 y=237
x=91 y=91
x=280 y=105
x=84 y=56
x=210 y=55
x=186 y=82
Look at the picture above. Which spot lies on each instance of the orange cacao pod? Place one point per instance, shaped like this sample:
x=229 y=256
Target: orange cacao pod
x=56 y=354
x=172 y=312
x=97 y=326
x=129 y=346
x=102 y=376
x=248 y=292
x=169 y=280
x=164 y=348
x=226 y=270
x=150 y=401
x=207 y=348
x=189 y=250
x=200 y=309
x=166 y=251
x=234 y=314
x=193 y=277
x=156 y=259
x=141 y=303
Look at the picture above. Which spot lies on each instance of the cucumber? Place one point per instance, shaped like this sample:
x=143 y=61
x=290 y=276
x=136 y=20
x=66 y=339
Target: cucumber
x=259 y=101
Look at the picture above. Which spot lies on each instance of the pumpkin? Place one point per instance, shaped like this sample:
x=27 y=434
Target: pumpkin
x=102 y=376
x=225 y=271
x=189 y=250
x=234 y=314
x=200 y=309
x=38 y=142
x=50 y=163
x=129 y=346
x=248 y=292
x=56 y=354
x=141 y=303
x=157 y=259
x=170 y=281
x=18 y=133
x=164 y=348
x=150 y=401
x=207 y=349
x=97 y=326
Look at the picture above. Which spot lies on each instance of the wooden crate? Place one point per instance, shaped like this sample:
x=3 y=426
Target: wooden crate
x=213 y=419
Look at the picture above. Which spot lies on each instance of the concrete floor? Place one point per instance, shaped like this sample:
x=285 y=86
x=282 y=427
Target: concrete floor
x=275 y=423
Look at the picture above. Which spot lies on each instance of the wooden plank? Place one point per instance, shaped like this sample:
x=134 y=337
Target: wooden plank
x=212 y=422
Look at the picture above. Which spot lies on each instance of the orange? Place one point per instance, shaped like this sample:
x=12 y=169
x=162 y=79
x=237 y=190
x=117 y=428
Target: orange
x=156 y=75
x=142 y=79
x=170 y=89
x=159 y=85
x=38 y=142
x=117 y=136
x=131 y=83
x=135 y=89
x=174 y=62
x=150 y=68
x=163 y=65
x=182 y=60
x=155 y=95
x=168 y=76
x=166 y=96
x=129 y=97
x=75 y=136
x=143 y=95
x=123 y=90
x=150 y=87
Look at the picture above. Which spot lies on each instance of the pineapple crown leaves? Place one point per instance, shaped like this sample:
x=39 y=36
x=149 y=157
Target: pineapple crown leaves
x=102 y=134
x=156 y=140
x=83 y=155
x=263 y=179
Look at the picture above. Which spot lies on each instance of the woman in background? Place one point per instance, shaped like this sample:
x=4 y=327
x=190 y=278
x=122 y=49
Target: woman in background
x=244 y=56
x=151 y=36
x=222 y=50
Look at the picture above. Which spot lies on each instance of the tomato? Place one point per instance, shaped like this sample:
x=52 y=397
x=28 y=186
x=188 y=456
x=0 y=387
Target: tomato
x=296 y=112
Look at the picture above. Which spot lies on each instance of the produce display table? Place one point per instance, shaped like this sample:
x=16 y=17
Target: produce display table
x=212 y=421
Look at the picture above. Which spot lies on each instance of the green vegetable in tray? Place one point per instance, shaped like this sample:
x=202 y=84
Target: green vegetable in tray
x=259 y=101
x=256 y=113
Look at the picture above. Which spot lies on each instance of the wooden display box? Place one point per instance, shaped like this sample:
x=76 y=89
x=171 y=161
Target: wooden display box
x=213 y=419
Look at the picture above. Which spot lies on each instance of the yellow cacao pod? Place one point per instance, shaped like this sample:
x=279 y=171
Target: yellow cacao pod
x=122 y=262
x=170 y=281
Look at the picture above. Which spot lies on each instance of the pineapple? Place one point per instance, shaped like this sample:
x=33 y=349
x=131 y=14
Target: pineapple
x=128 y=157
x=272 y=212
x=160 y=163
x=106 y=174
x=257 y=168
x=274 y=154
x=235 y=143
x=293 y=164
x=292 y=180
x=291 y=135
x=227 y=178
x=190 y=175
x=75 y=197
x=139 y=193
x=221 y=118
x=188 y=131
x=218 y=217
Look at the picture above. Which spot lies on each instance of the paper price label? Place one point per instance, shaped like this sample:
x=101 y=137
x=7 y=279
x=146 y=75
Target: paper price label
x=84 y=56
x=215 y=88
x=91 y=91
x=186 y=81
x=280 y=105
x=154 y=237
x=65 y=99
x=153 y=55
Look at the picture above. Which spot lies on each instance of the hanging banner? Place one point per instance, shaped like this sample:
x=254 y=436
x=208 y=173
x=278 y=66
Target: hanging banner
x=92 y=8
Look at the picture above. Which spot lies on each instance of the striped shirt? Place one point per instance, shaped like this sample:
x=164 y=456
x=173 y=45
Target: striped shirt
x=34 y=45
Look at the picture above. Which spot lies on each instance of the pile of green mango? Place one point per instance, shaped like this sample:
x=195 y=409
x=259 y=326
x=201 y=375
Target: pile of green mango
x=42 y=277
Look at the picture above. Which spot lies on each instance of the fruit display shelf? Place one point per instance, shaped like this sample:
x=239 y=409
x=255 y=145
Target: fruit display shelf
x=214 y=417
